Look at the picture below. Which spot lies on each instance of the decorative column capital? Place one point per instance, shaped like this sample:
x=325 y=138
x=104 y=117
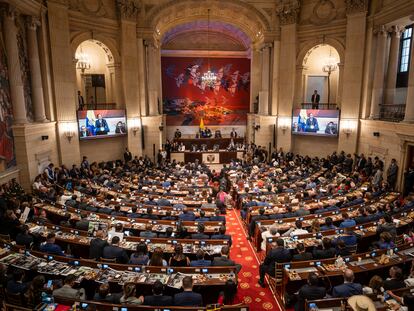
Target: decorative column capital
x=381 y=30
x=32 y=22
x=10 y=11
x=128 y=9
x=356 y=6
x=396 y=30
x=288 y=12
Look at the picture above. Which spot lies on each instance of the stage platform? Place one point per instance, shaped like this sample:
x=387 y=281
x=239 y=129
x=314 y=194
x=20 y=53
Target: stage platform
x=207 y=157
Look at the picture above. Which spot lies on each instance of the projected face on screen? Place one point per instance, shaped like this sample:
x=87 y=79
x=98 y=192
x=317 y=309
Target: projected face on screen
x=101 y=123
x=315 y=122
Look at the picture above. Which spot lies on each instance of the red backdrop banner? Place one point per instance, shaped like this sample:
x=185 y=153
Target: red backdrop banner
x=186 y=99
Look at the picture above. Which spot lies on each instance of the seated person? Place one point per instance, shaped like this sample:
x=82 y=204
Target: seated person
x=271 y=233
x=158 y=298
x=222 y=235
x=327 y=251
x=50 y=247
x=200 y=235
x=179 y=259
x=140 y=257
x=279 y=254
x=168 y=233
x=328 y=224
x=103 y=294
x=217 y=134
x=67 y=290
x=310 y=291
x=348 y=237
x=113 y=251
x=218 y=217
x=385 y=241
x=347 y=222
x=188 y=298
x=297 y=230
x=187 y=215
x=224 y=260
x=387 y=225
x=24 y=237
x=200 y=262
x=129 y=293
x=302 y=254
x=148 y=233
x=202 y=217
x=117 y=211
x=16 y=284
x=157 y=259
x=348 y=288
x=97 y=245
x=396 y=279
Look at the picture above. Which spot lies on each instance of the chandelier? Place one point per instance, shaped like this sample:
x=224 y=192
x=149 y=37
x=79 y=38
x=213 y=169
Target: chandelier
x=209 y=78
x=83 y=62
x=331 y=65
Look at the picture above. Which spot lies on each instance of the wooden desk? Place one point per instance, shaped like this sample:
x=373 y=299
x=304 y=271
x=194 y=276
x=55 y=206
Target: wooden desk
x=210 y=142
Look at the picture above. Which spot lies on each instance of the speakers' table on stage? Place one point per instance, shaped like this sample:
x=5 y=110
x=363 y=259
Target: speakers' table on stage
x=207 y=157
x=222 y=143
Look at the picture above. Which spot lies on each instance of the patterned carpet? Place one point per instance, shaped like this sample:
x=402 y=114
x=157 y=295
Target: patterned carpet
x=242 y=252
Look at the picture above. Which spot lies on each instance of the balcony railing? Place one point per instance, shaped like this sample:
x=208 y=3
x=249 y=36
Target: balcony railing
x=323 y=106
x=100 y=106
x=392 y=113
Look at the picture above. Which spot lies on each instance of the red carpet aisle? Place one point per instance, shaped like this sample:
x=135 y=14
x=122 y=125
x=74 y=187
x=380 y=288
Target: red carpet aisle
x=258 y=298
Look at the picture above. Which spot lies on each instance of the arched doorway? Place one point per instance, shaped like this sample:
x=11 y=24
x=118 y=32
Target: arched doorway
x=97 y=74
x=319 y=68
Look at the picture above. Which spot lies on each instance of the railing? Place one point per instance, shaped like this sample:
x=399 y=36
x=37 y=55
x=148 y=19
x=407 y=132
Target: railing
x=100 y=106
x=392 y=113
x=323 y=106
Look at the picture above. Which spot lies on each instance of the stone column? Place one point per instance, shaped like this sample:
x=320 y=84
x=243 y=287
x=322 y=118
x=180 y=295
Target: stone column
x=264 y=93
x=340 y=78
x=288 y=17
x=128 y=11
x=275 y=77
x=255 y=76
x=35 y=73
x=142 y=76
x=378 y=83
x=356 y=11
x=299 y=98
x=153 y=76
x=409 y=104
x=392 y=70
x=14 y=69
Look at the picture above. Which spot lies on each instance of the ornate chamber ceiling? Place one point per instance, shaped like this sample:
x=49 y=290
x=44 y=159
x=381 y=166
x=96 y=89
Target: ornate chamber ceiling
x=195 y=36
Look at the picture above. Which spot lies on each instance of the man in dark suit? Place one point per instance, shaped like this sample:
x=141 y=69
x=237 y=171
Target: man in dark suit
x=188 y=298
x=81 y=101
x=302 y=254
x=315 y=99
x=97 y=246
x=255 y=219
x=349 y=288
x=114 y=251
x=16 y=284
x=222 y=235
x=218 y=217
x=127 y=155
x=276 y=255
x=101 y=126
x=200 y=235
x=310 y=291
x=24 y=237
x=312 y=124
x=50 y=247
x=148 y=233
x=157 y=298
x=200 y=262
x=187 y=215
x=224 y=260
x=327 y=250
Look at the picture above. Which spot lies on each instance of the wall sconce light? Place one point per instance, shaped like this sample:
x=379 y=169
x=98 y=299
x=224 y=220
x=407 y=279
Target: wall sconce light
x=69 y=129
x=256 y=126
x=161 y=127
x=135 y=125
x=348 y=126
x=284 y=124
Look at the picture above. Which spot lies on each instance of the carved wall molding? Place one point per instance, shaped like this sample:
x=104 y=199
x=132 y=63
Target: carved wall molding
x=91 y=7
x=356 y=6
x=323 y=12
x=129 y=9
x=288 y=12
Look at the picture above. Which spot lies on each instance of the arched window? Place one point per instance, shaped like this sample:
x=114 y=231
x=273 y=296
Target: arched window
x=405 y=56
